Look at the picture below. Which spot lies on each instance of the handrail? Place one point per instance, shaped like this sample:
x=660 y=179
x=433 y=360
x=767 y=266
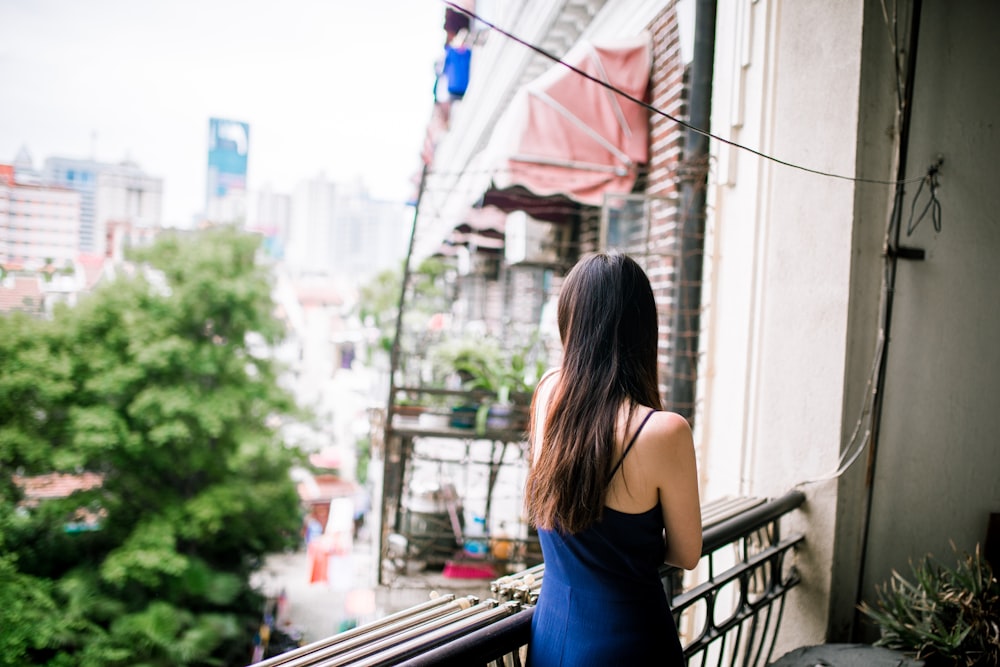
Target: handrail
x=753 y=585
x=482 y=646
x=511 y=635
x=752 y=519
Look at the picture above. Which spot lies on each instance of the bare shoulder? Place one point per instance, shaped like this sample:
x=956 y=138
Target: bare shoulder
x=669 y=423
x=666 y=437
x=668 y=427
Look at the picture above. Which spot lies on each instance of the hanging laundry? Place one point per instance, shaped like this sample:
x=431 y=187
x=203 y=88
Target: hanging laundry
x=456 y=69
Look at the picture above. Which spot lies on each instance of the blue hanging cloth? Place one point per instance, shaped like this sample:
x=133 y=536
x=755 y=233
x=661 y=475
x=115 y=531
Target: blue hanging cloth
x=456 y=69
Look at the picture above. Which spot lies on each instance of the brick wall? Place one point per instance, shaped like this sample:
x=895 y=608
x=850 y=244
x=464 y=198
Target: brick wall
x=667 y=93
x=660 y=183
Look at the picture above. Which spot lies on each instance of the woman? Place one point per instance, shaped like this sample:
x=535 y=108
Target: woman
x=610 y=472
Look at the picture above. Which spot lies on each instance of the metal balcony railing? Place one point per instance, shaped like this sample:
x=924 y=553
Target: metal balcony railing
x=727 y=610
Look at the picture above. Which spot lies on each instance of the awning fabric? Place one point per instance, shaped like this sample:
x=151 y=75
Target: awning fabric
x=566 y=140
x=481 y=230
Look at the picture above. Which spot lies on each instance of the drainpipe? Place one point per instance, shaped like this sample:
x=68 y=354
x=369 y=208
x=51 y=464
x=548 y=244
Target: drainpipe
x=694 y=180
x=394 y=351
x=892 y=255
x=394 y=462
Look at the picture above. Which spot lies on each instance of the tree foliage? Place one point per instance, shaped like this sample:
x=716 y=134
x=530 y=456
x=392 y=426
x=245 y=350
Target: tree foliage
x=150 y=382
x=428 y=297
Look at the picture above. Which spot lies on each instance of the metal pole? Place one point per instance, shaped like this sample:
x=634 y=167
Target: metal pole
x=691 y=246
x=892 y=261
x=387 y=473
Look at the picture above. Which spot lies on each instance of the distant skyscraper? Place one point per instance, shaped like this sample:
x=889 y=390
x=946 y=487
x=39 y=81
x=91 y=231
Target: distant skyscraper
x=111 y=196
x=341 y=232
x=226 y=183
x=310 y=238
x=271 y=218
x=369 y=234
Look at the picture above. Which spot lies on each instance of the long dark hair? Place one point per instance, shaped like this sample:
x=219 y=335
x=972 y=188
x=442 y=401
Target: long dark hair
x=608 y=327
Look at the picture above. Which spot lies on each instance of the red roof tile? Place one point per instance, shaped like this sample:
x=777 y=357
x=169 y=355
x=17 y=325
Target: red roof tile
x=21 y=293
x=93 y=267
x=56 y=485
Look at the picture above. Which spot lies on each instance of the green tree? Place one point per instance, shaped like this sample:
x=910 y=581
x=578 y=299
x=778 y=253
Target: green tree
x=428 y=295
x=154 y=383
x=378 y=305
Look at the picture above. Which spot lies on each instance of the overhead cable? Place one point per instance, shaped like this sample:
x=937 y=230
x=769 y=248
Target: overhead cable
x=660 y=112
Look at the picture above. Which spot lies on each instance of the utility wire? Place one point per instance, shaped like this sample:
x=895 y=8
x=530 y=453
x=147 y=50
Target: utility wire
x=660 y=112
x=848 y=457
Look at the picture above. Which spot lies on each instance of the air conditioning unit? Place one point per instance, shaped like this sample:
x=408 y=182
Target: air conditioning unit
x=477 y=263
x=531 y=241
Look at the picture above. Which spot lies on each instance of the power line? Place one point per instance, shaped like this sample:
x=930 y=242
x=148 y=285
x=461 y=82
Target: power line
x=660 y=112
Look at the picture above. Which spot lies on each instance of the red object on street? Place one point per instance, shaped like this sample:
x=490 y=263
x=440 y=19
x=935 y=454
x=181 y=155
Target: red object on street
x=319 y=558
x=465 y=570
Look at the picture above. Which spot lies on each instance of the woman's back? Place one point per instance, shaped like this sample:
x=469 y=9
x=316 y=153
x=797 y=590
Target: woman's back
x=611 y=473
x=602 y=601
x=655 y=467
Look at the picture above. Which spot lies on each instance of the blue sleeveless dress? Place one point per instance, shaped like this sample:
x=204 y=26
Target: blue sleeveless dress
x=602 y=601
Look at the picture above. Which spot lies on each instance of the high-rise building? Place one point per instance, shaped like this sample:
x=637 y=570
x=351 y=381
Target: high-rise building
x=310 y=238
x=271 y=218
x=112 y=196
x=340 y=231
x=369 y=235
x=39 y=224
x=226 y=179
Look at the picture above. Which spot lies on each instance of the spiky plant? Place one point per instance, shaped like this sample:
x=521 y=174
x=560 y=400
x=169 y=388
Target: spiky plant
x=946 y=616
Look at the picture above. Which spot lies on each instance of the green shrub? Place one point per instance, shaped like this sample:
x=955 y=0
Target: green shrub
x=946 y=616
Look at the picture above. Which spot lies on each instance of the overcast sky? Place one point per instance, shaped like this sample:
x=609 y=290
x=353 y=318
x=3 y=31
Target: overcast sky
x=334 y=86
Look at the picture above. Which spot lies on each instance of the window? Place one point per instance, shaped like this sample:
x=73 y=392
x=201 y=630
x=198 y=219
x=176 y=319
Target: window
x=627 y=222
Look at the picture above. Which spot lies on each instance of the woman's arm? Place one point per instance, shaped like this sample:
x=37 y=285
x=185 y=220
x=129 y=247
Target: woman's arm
x=539 y=408
x=677 y=485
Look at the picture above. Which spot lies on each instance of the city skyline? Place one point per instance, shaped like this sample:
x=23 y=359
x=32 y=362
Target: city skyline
x=342 y=90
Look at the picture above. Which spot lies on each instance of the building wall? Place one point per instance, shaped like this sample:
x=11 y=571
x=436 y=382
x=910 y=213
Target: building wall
x=310 y=242
x=109 y=193
x=667 y=93
x=877 y=114
x=792 y=285
x=776 y=281
x=340 y=231
x=369 y=235
x=271 y=217
x=80 y=175
x=38 y=224
x=126 y=194
x=936 y=474
x=459 y=173
x=794 y=282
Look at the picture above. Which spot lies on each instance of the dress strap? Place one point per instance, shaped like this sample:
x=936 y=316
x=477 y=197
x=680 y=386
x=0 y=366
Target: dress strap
x=629 y=446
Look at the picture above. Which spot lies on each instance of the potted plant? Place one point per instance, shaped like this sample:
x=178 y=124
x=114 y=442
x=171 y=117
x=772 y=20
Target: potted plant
x=947 y=617
x=481 y=365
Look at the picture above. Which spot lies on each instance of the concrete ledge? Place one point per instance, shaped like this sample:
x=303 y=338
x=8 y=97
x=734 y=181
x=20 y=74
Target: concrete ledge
x=845 y=655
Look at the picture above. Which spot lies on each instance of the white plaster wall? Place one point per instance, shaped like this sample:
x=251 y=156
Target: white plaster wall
x=786 y=83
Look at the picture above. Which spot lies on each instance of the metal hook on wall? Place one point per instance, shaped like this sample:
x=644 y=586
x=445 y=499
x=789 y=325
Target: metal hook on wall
x=933 y=205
